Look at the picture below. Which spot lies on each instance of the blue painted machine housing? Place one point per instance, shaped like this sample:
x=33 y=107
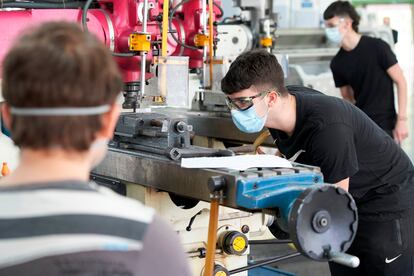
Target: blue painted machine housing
x=320 y=219
x=278 y=191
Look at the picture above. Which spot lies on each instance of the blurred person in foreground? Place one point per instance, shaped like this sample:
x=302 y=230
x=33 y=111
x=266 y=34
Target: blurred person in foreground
x=60 y=86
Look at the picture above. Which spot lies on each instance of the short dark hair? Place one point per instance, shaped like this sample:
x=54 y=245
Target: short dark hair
x=343 y=8
x=58 y=65
x=257 y=68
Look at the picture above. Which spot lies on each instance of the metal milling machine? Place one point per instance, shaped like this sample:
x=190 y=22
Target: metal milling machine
x=292 y=204
x=298 y=207
x=156 y=45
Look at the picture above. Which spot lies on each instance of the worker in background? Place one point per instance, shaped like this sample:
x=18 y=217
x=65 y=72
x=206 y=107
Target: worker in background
x=60 y=86
x=351 y=150
x=365 y=70
x=9 y=152
x=3 y=129
x=387 y=22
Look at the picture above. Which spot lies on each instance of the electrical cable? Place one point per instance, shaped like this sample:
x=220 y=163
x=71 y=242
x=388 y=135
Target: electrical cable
x=84 y=14
x=220 y=8
x=172 y=13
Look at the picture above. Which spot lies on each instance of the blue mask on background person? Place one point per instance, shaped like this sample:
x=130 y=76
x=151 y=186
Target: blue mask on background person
x=4 y=130
x=334 y=35
x=247 y=120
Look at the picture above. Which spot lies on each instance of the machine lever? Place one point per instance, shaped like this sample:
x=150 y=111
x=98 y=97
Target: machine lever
x=344 y=259
x=188 y=228
x=268 y=261
x=272 y=241
x=178 y=153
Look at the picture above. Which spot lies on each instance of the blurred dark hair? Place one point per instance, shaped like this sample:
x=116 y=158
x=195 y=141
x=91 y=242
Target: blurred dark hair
x=343 y=8
x=257 y=68
x=58 y=65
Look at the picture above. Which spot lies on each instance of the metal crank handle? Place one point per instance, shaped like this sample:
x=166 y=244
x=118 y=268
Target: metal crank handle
x=344 y=259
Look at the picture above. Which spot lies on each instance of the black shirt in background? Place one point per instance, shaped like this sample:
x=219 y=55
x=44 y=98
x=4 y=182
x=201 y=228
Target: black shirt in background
x=365 y=69
x=344 y=142
x=394 y=36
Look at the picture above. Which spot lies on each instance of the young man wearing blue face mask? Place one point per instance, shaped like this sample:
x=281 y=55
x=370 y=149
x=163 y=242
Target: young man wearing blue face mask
x=351 y=150
x=3 y=129
x=365 y=69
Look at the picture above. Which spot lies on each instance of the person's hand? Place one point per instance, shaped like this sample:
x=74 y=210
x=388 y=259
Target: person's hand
x=259 y=150
x=400 y=131
x=266 y=150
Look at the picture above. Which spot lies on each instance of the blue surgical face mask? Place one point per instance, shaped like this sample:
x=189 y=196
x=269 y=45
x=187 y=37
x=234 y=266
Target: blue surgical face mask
x=248 y=121
x=334 y=35
x=4 y=130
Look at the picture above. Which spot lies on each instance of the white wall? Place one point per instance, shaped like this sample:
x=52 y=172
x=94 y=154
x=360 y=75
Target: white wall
x=401 y=20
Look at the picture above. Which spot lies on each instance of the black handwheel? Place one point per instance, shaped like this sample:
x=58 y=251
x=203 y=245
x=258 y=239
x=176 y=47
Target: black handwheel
x=323 y=219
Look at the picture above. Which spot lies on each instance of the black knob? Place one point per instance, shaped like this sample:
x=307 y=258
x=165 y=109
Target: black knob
x=220 y=271
x=234 y=243
x=245 y=229
x=202 y=252
x=216 y=183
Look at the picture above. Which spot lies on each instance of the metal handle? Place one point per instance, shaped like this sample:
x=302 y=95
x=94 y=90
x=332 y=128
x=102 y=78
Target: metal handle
x=144 y=54
x=344 y=259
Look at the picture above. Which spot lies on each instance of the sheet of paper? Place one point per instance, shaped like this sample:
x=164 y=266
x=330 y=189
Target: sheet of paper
x=240 y=162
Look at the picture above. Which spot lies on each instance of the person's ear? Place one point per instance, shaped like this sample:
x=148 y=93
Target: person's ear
x=273 y=97
x=109 y=120
x=347 y=24
x=5 y=114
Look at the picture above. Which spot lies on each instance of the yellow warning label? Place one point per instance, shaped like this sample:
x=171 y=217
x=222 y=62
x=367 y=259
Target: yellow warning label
x=266 y=42
x=239 y=244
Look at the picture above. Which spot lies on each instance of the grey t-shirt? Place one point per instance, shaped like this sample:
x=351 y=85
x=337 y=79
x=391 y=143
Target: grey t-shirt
x=74 y=228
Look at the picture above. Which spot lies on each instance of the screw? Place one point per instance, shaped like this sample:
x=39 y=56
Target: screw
x=245 y=229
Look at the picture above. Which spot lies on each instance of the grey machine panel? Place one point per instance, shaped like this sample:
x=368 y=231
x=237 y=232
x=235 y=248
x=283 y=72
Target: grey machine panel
x=159 y=172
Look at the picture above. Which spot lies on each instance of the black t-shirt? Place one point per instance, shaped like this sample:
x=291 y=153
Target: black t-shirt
x=344 y=142
x=365 y=69
x=394 y=36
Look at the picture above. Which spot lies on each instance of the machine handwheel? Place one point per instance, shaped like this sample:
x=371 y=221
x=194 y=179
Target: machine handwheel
x=322 y=220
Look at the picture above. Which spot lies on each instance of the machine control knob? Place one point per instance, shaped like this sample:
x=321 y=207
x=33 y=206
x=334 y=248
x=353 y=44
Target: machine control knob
x=220 y=271
x=216 y=184
x=234 y=243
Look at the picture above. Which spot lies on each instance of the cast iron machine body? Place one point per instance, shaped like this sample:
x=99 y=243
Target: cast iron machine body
x=320 y=219
x=131 y=29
